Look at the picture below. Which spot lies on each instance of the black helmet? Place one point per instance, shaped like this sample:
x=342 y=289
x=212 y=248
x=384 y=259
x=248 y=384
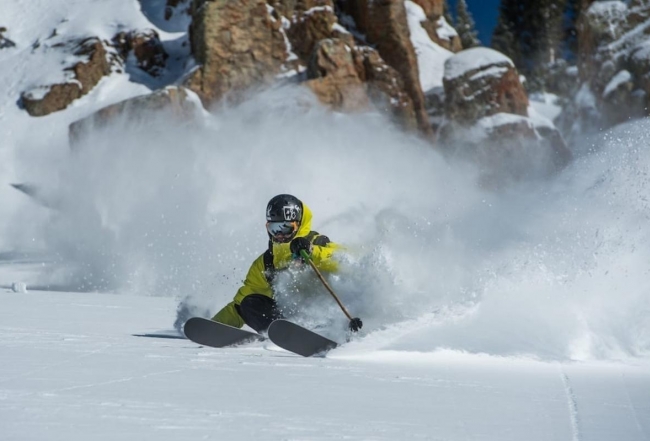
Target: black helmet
x=283 y=217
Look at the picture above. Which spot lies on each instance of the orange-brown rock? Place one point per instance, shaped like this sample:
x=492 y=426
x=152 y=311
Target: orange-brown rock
x=487 y=119
x=85 y=75
x=481 y=82
x=308 y=28
x=385 y=25
x=237 y=44
x=333 y=77
x=385 y=87
x=357 y=79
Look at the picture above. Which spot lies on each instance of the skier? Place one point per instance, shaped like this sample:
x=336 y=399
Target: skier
x=288 y=224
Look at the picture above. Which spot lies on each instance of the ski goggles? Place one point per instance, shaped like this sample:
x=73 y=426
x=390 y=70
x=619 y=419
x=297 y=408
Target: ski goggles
x=282 y=231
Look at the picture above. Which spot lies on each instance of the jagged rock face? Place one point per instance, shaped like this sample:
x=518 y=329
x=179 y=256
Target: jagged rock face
x=85 y=75
x=307 y=28
x=334 y=79
x=614 y=62
x=385 y=25
x=357 y=79
x=174 y=100
x=289 y=8
x=436 y=25
x=475 y=89
x=146 y=48
x=244 y=44
x=238 y=45
x=385 y=87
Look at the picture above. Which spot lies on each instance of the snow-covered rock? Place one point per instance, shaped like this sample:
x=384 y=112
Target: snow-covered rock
x=431 y=56
x=87 y=60
x=433 y=21
x=19 y=287
x=145 y=47
x=178 y=102
x=488 y=118
x=481 y=82
x=614 y=63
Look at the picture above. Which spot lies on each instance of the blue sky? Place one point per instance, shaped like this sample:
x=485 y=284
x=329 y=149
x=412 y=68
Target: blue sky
x=485 y=13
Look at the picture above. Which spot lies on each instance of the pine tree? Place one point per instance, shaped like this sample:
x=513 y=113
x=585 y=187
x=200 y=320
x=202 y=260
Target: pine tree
x=545 y=20
x=531 y=34
x=505 y=38
x=465 y=26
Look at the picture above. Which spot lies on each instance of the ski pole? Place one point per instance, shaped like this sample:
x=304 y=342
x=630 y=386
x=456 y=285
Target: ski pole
x=307 y=259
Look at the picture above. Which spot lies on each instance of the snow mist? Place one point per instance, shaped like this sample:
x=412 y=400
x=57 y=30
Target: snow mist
x=552 y=269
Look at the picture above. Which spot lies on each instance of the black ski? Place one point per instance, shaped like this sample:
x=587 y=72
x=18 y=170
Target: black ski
x=217 y=335
x=299 y=340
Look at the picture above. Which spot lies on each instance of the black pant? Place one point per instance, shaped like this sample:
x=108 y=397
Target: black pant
x=258 y=311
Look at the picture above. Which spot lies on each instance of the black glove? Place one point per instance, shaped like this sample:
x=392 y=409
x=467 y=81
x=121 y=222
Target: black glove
x=356 y=324
x=299 y=244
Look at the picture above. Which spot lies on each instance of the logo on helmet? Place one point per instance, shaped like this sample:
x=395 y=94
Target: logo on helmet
x=291 y=213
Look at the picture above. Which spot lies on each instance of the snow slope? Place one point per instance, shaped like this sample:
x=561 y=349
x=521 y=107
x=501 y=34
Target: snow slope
x=74 y=368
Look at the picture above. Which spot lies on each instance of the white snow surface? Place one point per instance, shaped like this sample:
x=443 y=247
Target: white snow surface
x=79 y=366
x=622 y=77
x=444 y=30
x=431 y=56
x=509 y=314
x=473 y=59
x=545 y=104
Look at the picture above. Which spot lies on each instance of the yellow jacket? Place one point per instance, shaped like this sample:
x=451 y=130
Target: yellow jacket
x=277 y=257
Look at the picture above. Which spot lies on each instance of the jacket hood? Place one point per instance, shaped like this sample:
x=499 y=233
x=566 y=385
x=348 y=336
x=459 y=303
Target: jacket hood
x=305 y=224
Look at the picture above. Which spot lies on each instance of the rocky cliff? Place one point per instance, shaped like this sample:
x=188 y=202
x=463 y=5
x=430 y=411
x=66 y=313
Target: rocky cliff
x=396 y=57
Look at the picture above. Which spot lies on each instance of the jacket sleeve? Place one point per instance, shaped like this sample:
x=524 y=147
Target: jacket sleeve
x=322 y=257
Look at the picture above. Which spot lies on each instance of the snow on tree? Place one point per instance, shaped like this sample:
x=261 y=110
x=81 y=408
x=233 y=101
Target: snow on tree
x=466 y=26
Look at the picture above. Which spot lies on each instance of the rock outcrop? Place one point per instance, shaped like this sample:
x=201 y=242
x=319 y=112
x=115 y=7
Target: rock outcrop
x=173 y=100
x=146 y=47
x=237 y=44
x=4 y=41
x=481 y=82
x=613 y=63
x=248 y=44
x=83 y=76
x=385 y=26
x=488 y=118
x=334 y=79
x=357 y=79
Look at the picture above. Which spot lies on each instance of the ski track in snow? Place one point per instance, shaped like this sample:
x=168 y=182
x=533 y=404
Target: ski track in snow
x=572 y=405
